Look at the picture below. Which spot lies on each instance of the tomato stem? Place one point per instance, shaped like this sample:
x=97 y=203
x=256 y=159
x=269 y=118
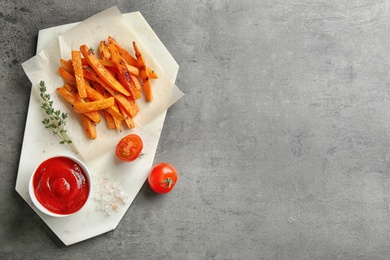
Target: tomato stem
x=169 y=181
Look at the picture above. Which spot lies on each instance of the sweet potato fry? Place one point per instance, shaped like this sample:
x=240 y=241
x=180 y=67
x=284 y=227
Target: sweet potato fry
x=115 y=113
x=73 y=90
x=144 y=73
x=78 y=73
x=89 y=127
x=136 y=82
x=127 y=80
x=93 y=93
x=66 y=76
x=133 y=70
x=134 y=104
x=102 y=71
x=107 y=63
x=124 y=76
x=129 y=58
x=129 y=122
x=109 y=120
x=67 y=65
x=117 y=120
x=94 y=105
x=104 y=52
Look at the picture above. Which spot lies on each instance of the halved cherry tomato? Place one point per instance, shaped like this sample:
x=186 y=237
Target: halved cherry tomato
x=129 y=147
x=162 y=178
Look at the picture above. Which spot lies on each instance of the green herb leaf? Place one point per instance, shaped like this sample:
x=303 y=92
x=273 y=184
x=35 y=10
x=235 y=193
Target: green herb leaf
x=56 y=120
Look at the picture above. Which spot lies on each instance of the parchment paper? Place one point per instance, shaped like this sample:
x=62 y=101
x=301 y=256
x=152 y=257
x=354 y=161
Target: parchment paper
x=90 y=32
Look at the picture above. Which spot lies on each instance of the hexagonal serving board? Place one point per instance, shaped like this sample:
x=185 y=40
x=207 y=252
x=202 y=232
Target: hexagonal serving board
x=101 y=214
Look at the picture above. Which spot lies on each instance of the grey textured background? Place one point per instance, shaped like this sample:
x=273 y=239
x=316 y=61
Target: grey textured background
x=282 y=139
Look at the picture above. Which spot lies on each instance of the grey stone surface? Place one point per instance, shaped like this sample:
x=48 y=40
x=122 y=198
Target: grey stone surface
x=282 y=139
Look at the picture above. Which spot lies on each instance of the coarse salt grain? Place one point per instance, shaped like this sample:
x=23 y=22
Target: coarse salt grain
x=108 y=194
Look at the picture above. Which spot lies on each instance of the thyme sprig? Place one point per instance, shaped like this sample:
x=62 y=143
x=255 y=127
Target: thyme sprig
x=55 y=120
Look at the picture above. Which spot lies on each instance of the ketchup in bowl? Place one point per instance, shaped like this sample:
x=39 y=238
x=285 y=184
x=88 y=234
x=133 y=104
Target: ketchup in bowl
x=61 y=185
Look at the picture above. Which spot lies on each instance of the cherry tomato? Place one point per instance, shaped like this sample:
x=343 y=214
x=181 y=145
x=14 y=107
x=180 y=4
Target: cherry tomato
x=129 y=147
x=162 y=178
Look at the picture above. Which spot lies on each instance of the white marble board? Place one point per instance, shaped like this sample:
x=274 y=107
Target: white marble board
x=39 y=144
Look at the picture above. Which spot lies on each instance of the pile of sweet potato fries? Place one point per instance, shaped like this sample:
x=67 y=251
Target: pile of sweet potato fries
x=107 y=86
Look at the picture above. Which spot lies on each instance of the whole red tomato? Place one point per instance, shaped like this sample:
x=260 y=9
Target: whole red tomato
x=129 y=147
x=162 y=178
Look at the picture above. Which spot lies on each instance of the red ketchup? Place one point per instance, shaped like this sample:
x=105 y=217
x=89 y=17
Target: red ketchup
x=61 y=185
